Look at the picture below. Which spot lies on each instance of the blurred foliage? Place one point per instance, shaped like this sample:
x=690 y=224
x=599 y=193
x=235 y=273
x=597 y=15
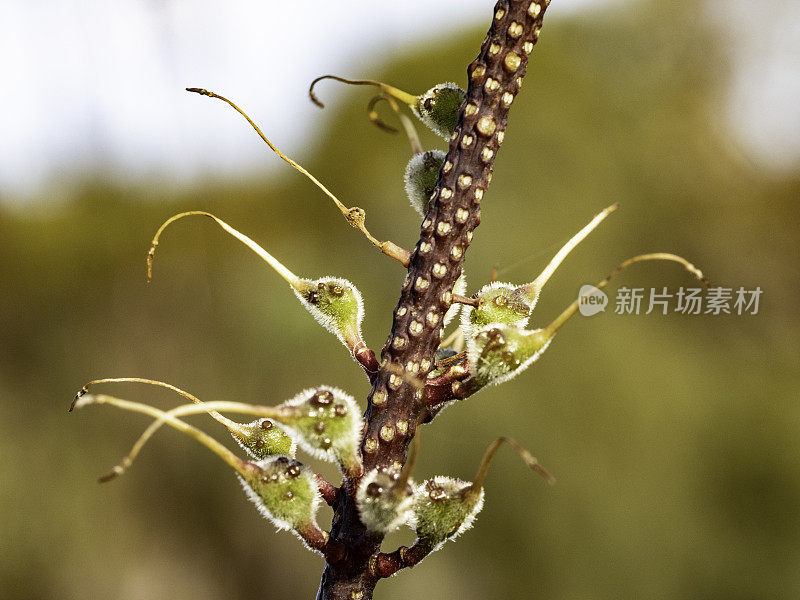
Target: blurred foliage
x=674 y=438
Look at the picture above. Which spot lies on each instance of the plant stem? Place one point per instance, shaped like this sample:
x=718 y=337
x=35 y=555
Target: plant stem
x=396 y=403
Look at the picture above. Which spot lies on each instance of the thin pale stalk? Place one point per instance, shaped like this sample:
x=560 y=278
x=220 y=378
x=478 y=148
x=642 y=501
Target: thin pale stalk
x=576 y=239
x=405 y=97
x=226 y=455
x=355 y=215
x=573 y=308
x=273 y=262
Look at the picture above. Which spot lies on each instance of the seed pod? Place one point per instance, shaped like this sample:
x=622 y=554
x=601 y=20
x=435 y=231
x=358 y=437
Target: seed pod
x=499 y=303
x=383 y=504
x=326 y=423
x=512 y=304
x=284 y=491
x=438 y=108
x=261 y=438
x=499 y=352
x=335 y=303
x=445 y=507
x=422 y=173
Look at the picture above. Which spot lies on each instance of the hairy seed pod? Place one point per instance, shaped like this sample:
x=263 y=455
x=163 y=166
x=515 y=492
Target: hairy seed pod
x=422 y=173
x=499 y=303
x=336 y=304
x=262 y=438
x=444 y=508
x=438 y=108
x=513 y=304
x=382 y=503
x=284 y=491
x=326 y=422
x=500 y=352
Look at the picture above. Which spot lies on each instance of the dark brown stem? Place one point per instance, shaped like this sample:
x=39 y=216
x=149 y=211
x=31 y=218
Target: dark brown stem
x=366 y=358
x=327 y=490
x=397 y=399
x=387 y=565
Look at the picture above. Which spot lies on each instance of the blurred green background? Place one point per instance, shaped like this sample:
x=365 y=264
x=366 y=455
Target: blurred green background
x=674 y=438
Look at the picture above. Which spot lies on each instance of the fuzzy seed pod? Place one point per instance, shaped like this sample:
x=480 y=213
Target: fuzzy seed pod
x=499 y=352
x=500 y=303
x=422 y=173
x=262 y=438
x=438 y=108
x=444 y=508
x=513 y=304
x=382 y=506
x=284 y=490
x=336 y=304
x=326 y=422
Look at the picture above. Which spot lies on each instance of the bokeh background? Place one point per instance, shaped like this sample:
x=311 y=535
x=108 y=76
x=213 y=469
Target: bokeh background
x=675 y=439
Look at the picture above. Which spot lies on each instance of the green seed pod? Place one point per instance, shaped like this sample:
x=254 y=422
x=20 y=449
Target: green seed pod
x=444 y=508
x=500 y=352
x=438 y=108
x=261 y=438
x=512 y=304
x=422 y=173
x=326 y=423
x=284 y=490
x=499 y=303
x=336 y=304
x=384 y=505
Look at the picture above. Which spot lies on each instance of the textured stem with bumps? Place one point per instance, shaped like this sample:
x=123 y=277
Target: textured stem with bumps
x=397 y=402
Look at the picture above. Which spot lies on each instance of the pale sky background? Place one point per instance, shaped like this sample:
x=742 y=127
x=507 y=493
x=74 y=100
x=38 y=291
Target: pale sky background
x=98 y=84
